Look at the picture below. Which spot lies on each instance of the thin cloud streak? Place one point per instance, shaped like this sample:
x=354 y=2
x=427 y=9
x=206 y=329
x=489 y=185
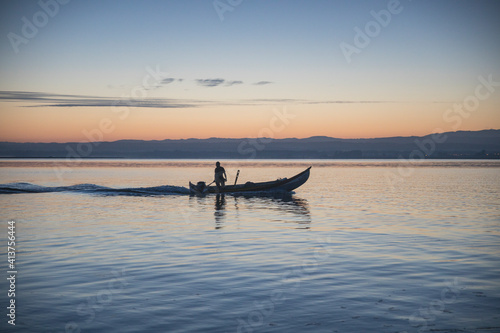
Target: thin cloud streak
x=167 y=80
x=232 y=83
x=40 y=99
x=223 y=82
x=262 y=83
x=210 y=82
x=60 y=100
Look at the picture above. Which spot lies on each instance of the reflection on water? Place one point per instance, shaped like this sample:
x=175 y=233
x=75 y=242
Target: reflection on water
x=220 y=202
x=232 y=209
x=300 y=207
x=284 y=207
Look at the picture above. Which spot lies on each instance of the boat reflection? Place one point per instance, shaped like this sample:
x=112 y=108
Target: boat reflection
x=277 y=207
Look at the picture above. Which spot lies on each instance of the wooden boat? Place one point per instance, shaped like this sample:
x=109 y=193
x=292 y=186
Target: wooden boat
x=282 y=184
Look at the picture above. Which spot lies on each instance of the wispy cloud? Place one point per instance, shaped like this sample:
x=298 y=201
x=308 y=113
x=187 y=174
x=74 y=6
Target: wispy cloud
x=210 y=82
x=163 y=82
x=262 y=83
x=35 y=96
x=232 y=83
x=167 y=80
x=40 y=99
x=217 y=82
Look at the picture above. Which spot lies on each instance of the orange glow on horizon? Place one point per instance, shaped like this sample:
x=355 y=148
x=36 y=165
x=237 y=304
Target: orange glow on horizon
x=344 y=121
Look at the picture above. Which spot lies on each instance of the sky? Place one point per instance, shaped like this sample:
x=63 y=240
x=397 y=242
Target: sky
x=86 y=70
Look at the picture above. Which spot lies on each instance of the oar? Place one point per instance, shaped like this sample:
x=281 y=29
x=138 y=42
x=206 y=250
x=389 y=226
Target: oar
x=206 y=187
x=237 y=174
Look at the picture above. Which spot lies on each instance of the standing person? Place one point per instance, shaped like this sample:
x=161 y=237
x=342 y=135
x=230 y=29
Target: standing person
x=220 y=176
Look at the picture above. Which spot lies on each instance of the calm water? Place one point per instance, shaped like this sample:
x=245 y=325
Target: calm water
x=363 y=246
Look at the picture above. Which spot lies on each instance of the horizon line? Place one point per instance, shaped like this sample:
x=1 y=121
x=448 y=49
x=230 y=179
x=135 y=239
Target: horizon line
x=253 y=138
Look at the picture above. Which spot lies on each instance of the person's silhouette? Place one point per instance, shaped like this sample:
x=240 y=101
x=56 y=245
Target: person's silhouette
x=220 y=176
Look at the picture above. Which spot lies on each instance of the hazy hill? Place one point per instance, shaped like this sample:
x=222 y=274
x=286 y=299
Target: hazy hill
x=461 y=144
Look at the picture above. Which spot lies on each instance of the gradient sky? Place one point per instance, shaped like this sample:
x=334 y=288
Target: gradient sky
x=89 y=69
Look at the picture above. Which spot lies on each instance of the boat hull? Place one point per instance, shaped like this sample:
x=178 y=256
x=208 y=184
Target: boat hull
x=285 y=185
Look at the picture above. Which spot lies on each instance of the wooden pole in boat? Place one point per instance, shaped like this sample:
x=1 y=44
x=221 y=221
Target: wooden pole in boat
x=236 y=179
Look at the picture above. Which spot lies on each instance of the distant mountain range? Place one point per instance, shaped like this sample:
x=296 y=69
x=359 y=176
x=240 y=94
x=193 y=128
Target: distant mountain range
x=461 y=144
